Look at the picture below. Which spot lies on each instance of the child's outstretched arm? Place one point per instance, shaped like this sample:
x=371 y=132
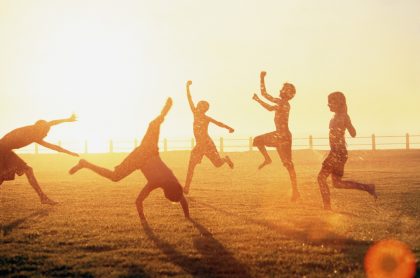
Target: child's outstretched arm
x=262 y=103
x=231 y=130
x=72 y=118
x=190 y=101
x=56 y=148
x=263 y=89
x=350 y=127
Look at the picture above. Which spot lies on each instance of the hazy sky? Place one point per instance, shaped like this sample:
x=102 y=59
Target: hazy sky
x=114 y=63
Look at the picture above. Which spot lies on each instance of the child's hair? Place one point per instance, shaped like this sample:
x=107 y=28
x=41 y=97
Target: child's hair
x=173 y=192
x=340 y=99
x=203 y=106
x=290 y=90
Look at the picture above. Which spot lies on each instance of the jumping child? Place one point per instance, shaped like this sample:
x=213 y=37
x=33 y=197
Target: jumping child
x=146 y=159
x=334 y=163
x=204 y=144
x=281 y=139
x=11 y=164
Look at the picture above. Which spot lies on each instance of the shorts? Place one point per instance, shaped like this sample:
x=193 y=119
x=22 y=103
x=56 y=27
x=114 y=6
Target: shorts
x=135 y=160
x=173 y=191
x=11 y=165
x=207 y=148
x=334 y=163
x=282 y=142
x=273 y=139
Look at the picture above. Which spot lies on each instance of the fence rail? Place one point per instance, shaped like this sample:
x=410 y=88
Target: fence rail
x=372 y=142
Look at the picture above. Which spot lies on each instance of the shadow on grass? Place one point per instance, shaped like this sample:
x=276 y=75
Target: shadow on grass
x=22 y=266
x=310 y=233
x=8 y=228
x=215 y=260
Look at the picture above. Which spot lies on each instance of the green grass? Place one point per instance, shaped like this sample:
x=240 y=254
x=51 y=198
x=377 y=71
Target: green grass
x=243 y=223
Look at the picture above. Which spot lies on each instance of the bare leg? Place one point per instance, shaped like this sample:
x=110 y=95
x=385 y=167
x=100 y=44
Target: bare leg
x=167 y=107
x=339 y=183
x=185 y=207
x=267 y=159
x=190 y=174
x=229 y=162
x=34 y=183
x=139 y=201
x=323 y=188
x=285 y=154
x=218 y=161
x=106 y=173
x=292 y=174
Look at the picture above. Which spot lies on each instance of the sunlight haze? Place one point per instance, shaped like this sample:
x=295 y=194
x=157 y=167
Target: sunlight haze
x=114 y=63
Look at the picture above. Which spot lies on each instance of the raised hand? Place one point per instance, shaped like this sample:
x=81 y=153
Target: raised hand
x=231 y=130
x=72 y=118
x=255 y=97
x=262 y=74
x=189 y=83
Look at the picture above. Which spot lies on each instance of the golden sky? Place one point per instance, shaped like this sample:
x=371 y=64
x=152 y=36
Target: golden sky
x=114 y=63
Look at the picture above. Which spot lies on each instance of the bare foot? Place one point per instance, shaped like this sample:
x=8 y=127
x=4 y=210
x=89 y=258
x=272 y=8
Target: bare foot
x=229 y=162
x=266 y=162
x=77 y=167
x=47 y=201
x=167 y=107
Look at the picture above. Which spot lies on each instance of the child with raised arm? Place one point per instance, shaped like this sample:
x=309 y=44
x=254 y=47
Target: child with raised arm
x=281 y=139
x=11 y=164
x=146 y=159
x=204 y=144
x=334 y=163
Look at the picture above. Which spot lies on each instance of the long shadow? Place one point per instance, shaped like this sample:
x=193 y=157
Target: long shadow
x=215 y=261
x=309 y=233
x=8 y=228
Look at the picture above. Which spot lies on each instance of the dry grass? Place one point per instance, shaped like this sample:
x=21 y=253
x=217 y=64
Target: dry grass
x=243 y=223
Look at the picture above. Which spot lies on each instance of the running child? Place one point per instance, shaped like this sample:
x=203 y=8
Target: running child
x=11 y=164
x=281 y=139
x=334 y=163
x=146 y=159
x=204 y=144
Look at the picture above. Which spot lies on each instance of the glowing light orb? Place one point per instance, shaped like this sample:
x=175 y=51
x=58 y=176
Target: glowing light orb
x=390 y=258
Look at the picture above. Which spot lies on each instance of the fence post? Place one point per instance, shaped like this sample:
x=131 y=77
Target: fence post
x=407 y=141
x=165 y=145
x=250 y=144
x=136 y=143
x=111 y=146
x=86 y=146
x=373 y=142
x=36 y=150
x=311 y=142
x=221 y=145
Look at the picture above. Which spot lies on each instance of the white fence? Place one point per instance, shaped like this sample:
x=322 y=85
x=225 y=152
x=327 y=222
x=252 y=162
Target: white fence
x=372 y=142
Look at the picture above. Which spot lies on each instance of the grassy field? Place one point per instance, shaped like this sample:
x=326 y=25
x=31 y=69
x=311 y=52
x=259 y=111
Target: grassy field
x=243 y=223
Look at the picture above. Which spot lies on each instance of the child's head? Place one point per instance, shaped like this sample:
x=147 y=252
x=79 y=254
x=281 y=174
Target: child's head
x=288 y=91
x=173 y=192
x=203 y=106
x=337 y=102
x=42 y=128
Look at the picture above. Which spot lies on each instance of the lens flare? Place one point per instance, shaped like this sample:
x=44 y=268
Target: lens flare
x=390 y=258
